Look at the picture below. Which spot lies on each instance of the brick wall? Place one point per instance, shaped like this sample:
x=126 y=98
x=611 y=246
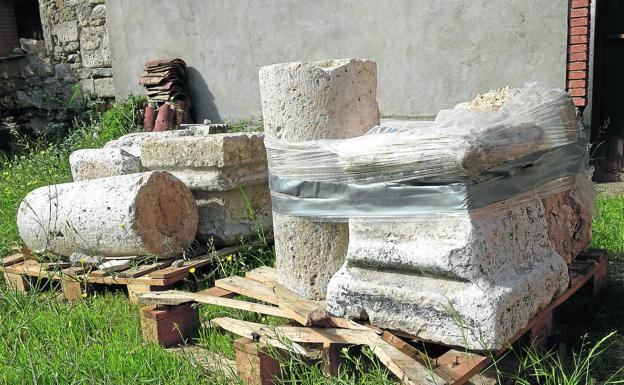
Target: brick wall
x=578 y=51
x=8 y=28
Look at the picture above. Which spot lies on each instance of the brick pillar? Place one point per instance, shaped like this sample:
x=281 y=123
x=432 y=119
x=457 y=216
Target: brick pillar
x=578 y=51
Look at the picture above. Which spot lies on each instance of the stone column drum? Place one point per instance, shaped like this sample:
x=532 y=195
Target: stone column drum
x=150 y=213
x=332 y=99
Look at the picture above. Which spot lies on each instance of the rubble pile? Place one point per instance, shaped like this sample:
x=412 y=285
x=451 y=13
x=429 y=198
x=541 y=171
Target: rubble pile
x=459 y=229
x=168 y=101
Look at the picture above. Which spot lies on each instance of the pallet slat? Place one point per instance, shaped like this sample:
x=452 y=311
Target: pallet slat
x=173 y=297
x=249 y=288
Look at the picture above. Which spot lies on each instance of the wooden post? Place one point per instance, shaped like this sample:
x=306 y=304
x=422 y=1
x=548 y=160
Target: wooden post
x=542 y=328
x=599 y=278
x=135 y=291
x=253 y=365
x=332 y=358
x=17 y=282
x=169 y=325
x=72 y=289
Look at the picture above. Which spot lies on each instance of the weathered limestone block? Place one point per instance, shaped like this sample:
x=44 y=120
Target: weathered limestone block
x=332 y=99
x=150 y=213
x=569 y=224
x=228 y=176
x=131 y=143
x=228 y=216
x=102 y=162
x=218 y=162
x=434 y=275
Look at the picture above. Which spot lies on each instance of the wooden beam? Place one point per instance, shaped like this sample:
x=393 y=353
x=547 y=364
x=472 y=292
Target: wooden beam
x=301 y=334
x=249 y=288
x=259 y=334
x=407 y=369
x=174 y=297
x=11 y=260
x=263 y=274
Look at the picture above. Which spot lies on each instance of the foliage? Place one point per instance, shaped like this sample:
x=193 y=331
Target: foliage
x=97 y=341
x=550 y=367
x=608 y=226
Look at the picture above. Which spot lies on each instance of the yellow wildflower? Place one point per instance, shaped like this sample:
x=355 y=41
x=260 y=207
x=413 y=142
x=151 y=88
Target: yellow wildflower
x=192 y=270
x=229 y=258
x=122 y=226
x=85 y=295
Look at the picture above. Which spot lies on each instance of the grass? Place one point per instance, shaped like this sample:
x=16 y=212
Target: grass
x=46 y=341
x=608 y=227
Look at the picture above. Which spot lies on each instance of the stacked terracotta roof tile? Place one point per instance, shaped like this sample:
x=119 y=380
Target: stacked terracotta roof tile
x=168 y=100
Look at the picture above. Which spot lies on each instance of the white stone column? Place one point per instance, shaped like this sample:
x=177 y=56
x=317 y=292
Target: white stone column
x=332 y=99
x=150 y=213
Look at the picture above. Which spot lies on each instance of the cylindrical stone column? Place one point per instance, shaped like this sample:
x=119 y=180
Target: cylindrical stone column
x=151 y=213
x=332 y=99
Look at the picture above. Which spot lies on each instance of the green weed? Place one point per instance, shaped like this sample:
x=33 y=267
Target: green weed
x=608 y=226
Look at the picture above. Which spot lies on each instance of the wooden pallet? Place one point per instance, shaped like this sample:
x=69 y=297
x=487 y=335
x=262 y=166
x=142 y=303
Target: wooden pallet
x=22 y=272
x=172 y=319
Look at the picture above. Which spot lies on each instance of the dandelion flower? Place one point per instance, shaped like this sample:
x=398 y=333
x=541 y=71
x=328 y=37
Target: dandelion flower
x=229 y=258
x=192 y=270
x=85 y=295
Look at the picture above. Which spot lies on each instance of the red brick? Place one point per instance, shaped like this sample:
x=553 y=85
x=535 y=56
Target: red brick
x=578 y=48
x=579 y=39
x=572 y=75
x=580 y=4
x=579 y=66
x=577 y=84
x=577 y=91
x=578 y=31
x=579 y=21
x=579 y=12
x=579 y=102
x=578 y=56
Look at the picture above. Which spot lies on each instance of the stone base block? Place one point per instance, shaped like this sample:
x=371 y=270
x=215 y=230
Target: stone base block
x=472 y=279
x=228 y=216
x=102 y=162
x=308 y=253
x=447 y=311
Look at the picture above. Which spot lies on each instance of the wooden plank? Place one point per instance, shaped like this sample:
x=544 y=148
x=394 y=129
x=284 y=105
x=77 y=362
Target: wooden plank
x=461 y=366
x=217 y=292
x=407 y=369
x=263 y=274
x=11 y=260
x=98 y=273
x=173 y=297
x=300 y=309
x=183 y=270
x=249 y=288
x=337 y=322
x=302 y=334
x=145 y=269
x=259 y=334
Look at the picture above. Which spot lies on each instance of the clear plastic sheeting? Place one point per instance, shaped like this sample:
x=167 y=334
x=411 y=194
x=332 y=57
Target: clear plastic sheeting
x=463 y=160
x=457 y=146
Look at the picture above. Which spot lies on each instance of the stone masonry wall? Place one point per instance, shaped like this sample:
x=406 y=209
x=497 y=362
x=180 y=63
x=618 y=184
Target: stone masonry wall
x=75 y=34
x=38 y=79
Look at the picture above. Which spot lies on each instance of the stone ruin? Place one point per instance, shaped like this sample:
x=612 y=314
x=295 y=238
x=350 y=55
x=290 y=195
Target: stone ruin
x=456 y=231
x=153 y=194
